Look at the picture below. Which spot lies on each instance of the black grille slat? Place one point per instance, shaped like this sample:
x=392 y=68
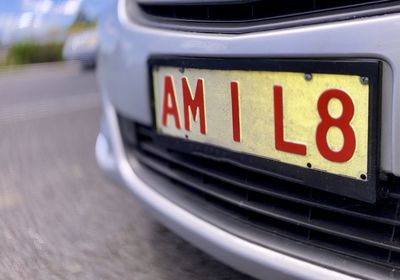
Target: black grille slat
x=242 y=11
x=289 y=230
x=233 y=164
x=264 y=190
x=360 y=230
x=272 y=211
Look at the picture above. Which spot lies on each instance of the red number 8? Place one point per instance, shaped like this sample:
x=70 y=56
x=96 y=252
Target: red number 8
x=342 y=122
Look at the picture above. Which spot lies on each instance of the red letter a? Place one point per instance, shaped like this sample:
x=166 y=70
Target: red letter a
x=169 y=103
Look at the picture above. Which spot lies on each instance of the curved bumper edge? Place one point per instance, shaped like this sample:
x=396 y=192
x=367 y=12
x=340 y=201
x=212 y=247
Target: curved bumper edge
x=240 y=254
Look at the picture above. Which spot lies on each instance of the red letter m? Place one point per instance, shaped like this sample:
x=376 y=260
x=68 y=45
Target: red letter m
x=195 y=104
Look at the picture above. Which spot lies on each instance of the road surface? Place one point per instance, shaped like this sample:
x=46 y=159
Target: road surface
x=59 y=217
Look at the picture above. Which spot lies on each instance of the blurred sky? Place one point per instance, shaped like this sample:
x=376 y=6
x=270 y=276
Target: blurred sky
x=40 y=19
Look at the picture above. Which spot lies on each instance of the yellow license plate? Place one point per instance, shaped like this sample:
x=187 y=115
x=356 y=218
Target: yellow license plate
x=315 y=121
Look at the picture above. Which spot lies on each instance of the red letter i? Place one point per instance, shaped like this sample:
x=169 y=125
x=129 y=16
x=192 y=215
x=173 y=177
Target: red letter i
x=235 y=111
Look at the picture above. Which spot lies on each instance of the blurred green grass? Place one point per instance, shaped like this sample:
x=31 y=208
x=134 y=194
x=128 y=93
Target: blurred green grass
x=33 y=52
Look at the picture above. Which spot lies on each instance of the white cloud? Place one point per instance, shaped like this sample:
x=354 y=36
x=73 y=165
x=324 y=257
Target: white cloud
x=38 y=21
x=37 y=18
x=37 y=6
x=25 y=20
x=43 y=7
x=71 y=7
x=8 y=23
x=67 y=7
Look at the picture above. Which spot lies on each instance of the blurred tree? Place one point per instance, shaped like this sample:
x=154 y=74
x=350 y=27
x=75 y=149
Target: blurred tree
x=82 y=17
x=81 y=22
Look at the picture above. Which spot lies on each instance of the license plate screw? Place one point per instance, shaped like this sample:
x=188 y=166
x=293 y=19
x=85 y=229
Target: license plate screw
x=307 y=76
x=364 y=80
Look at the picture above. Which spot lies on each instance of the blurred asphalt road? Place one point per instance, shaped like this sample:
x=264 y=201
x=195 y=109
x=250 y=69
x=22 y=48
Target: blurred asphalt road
x=59 y=217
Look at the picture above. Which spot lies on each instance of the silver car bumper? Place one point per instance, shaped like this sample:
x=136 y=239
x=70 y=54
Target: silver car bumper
x=247 y=257
x=126 y=47
x=123 y=77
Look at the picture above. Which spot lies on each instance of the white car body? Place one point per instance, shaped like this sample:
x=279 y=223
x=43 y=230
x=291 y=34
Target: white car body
x=127 y=45
x=83 y=47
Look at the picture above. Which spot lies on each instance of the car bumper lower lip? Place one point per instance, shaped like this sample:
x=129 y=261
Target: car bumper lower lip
x=245 y=256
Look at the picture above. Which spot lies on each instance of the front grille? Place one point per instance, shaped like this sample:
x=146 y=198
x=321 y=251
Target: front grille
x=238 y=11
x=238 y=17
x=343 y=226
